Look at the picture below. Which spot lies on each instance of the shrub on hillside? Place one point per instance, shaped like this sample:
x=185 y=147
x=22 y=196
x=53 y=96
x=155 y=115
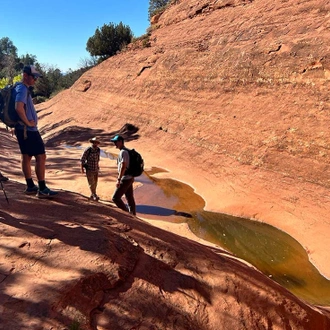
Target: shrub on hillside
x=108 y=40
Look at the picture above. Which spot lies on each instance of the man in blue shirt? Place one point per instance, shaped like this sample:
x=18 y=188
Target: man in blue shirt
x=28 y=136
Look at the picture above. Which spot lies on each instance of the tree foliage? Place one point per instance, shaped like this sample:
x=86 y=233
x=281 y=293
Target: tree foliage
x=8 y=58
x=28 y=59
x=109 y=39
x=156 y=5
x=5 y=81
x=53 y=79
x=7 y=47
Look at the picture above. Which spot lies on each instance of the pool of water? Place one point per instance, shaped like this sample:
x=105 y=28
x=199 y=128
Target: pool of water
x=272 y=251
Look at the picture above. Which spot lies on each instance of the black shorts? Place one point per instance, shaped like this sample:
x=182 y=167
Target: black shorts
x=33 y=145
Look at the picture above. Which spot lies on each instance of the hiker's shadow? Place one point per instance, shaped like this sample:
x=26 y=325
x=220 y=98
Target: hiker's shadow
x=114 y=242
x=154 y=210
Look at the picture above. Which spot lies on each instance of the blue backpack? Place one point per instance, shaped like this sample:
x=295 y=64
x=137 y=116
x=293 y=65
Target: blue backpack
x=8 y=114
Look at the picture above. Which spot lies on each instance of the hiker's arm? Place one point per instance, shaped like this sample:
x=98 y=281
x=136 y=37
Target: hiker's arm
x=82 y=167
x=83 y=160
x=121 y=172
x=20 y=109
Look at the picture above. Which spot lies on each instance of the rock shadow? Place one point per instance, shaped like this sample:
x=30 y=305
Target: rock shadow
x=76 y=135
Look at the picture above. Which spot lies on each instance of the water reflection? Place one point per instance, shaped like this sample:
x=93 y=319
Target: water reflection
x=166 y=197
x=269 y=249
x=103 y=154
x=109 y=155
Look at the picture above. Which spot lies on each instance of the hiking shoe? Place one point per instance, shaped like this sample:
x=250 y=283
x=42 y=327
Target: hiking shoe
x=95 y=197
x=31 y=190
x=46 y=193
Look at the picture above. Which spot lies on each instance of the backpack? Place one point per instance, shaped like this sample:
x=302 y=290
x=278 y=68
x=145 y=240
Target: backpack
x=136 y=163
x=8 y=114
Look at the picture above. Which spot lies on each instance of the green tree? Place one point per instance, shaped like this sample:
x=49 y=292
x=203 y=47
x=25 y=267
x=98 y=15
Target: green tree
x=8 y=58
x=108 y=40
x=71 y=77
x=54 y=76
x=5 y=81
x=10 y=63
x=156 y=5
x=53 y=80
x=28 y=59
x=43 y=85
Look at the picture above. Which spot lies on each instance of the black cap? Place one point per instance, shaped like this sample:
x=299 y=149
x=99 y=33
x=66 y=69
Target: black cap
x=31 y=71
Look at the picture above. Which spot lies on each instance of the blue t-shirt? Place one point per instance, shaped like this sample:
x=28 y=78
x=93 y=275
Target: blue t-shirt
x=23 y=95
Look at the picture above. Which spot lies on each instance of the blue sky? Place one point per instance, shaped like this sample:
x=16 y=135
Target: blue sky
x=57 y=31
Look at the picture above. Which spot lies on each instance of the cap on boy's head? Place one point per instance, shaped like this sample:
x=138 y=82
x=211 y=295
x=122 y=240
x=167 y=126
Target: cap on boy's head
x=31 y=71
x=117 y=138
x=94 y=140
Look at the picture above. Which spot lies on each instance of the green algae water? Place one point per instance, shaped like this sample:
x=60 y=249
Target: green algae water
x=272 y=251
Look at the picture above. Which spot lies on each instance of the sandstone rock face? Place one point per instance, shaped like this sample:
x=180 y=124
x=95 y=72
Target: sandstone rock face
x=230 y=97
x=235 y=92
x=69 y=262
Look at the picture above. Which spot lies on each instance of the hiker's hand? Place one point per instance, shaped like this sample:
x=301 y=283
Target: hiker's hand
x=31 y=123
x=82 y=170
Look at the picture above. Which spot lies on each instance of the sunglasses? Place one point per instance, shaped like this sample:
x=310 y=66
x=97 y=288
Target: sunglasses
x=33 y=76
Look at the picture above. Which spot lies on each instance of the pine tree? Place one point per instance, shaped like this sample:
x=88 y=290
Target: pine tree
x=108 y=40
x=155 y=6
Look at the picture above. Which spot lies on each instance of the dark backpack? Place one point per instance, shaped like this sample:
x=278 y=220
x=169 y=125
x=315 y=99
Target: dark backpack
x=8 y=114
x=136 y=164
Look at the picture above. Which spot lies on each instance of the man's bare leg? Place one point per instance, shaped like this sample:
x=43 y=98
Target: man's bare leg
x=40 y=167
x=26 y=166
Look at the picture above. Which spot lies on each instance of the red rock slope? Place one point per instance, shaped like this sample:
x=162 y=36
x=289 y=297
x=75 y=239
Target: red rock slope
x=69 y=261
x=232 y=98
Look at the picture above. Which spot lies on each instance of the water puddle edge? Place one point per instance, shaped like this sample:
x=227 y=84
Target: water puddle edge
x=272 y=251
x=275 y=253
